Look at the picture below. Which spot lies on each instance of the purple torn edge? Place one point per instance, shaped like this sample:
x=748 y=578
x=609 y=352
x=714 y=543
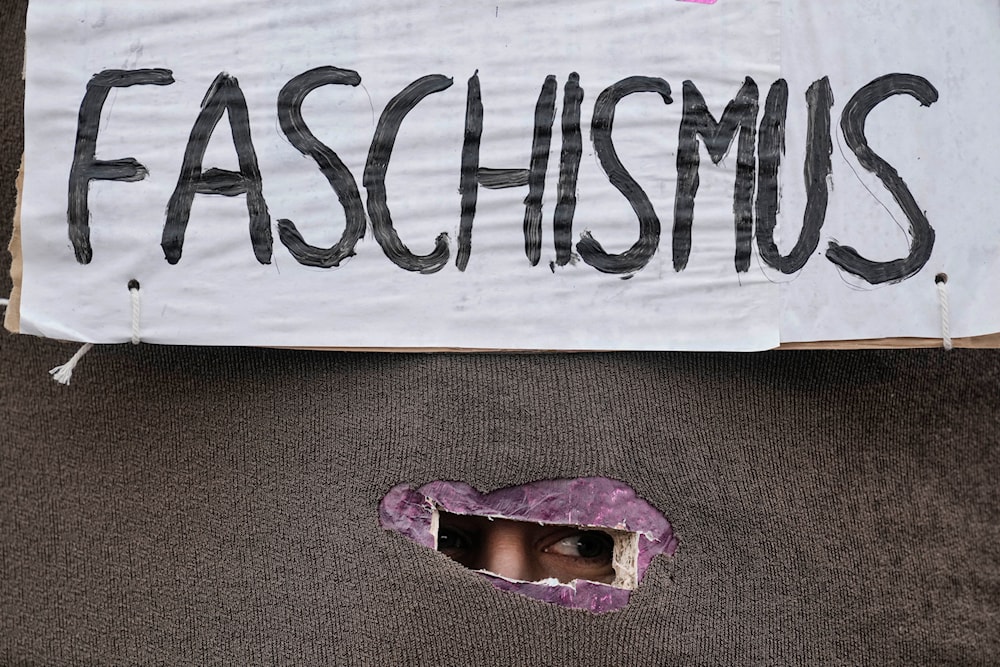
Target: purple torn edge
x=587 y=501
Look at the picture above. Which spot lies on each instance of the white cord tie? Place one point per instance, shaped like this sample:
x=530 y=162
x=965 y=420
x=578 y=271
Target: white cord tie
x=941 y=280
x=63 y=374
x=133 y=291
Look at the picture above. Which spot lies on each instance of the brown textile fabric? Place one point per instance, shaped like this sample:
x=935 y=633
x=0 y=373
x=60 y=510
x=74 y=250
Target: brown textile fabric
x=201 y=506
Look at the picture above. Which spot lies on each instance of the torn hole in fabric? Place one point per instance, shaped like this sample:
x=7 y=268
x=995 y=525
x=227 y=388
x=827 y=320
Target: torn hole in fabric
x=572 y=507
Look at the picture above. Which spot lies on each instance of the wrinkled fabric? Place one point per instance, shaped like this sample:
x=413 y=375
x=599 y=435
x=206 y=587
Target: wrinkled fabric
x=587 y=502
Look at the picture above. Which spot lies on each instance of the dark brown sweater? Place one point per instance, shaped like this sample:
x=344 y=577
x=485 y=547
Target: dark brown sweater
x=220 y=506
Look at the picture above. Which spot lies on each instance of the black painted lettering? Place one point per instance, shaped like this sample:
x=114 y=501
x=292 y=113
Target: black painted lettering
x=569 y=169
x=468 y=186
x=223 y=96
x=636 y=257
x=697 y=120
x=292 y=123
x=374 y=180
x=86 y=167
x=541 y=142
x=819 y=147
x=852 y=124
x=474 y=176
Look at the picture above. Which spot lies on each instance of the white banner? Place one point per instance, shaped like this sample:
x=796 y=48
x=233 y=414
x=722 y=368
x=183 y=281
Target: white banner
x=585 y=175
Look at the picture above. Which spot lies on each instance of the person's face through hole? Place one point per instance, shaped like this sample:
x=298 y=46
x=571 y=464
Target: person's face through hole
x=527 y=551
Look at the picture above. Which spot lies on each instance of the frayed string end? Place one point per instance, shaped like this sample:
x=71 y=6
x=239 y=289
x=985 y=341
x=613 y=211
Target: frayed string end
x=63 y=374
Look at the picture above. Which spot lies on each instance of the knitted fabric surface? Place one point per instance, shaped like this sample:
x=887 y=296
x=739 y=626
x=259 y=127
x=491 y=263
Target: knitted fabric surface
x=192 y=506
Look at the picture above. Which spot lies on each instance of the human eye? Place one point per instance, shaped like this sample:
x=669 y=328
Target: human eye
x=594 y=546
x=459 y=537
x=452 y=539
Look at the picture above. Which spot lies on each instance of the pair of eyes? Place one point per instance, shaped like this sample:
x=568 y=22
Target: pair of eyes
x=583 y=544
x=527 y=551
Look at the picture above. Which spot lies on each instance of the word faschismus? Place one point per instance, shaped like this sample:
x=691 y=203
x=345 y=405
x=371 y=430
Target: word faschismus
x=757 y=165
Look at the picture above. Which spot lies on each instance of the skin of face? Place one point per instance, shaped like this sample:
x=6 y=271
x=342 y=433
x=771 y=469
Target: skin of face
x=527 y=551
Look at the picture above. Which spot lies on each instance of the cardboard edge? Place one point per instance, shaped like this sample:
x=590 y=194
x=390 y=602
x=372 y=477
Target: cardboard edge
x=985 y=342
x=12 y=316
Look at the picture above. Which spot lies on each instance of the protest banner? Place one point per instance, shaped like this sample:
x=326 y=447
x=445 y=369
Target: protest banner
x=635 y=175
